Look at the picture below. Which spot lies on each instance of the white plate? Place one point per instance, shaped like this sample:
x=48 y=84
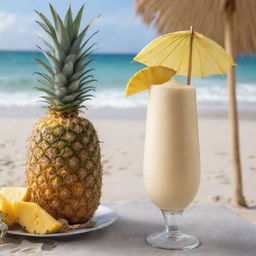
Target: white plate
x=103 y=218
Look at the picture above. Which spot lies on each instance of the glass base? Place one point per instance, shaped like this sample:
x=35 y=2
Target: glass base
x=175 y=241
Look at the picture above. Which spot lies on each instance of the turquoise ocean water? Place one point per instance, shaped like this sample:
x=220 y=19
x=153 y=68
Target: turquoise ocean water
x=17 y=81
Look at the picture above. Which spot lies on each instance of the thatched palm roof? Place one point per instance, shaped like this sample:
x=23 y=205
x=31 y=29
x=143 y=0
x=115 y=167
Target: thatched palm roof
x=206 y=16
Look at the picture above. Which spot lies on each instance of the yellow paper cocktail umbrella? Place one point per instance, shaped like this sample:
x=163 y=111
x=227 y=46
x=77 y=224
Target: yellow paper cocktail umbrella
x=188 y=53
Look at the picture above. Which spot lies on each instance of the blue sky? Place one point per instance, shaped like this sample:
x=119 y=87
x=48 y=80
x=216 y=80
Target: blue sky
x=121 y=31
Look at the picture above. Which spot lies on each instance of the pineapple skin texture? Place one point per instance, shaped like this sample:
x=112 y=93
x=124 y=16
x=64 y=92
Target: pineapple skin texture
x=63 y=168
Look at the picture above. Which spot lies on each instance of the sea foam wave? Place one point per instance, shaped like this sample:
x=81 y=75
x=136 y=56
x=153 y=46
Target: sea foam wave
x=246 y=93
x=18 y=99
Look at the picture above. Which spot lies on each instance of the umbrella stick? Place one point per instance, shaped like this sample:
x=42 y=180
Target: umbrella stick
x=190 y=56
x=233 y=115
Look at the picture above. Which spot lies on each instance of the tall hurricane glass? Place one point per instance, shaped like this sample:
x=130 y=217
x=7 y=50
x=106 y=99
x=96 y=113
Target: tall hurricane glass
x=172 y=160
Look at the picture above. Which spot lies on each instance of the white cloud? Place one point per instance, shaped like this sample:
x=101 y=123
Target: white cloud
x=120 y=32
x=6 y=20
x=17 y=31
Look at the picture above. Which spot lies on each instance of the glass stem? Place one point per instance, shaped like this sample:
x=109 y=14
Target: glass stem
x=172 y=223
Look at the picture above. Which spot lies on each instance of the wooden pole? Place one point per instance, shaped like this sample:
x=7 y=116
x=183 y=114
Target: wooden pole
x=233 y=115
x=190 y=56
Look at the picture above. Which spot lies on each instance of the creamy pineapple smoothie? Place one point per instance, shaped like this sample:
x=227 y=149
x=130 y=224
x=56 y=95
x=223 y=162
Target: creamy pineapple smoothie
x=172 y=160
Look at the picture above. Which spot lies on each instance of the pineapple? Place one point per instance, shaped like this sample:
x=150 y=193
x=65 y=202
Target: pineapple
x=13 y=194
x=7 y=208
x=63 y=168
x=35 y=219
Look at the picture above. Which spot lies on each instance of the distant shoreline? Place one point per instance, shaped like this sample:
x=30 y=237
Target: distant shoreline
x=246 y=112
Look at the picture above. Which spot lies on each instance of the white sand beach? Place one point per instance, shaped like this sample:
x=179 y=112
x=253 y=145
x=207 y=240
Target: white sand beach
x=122 y=136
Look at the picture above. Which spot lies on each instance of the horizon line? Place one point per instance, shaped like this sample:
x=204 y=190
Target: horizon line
x=96 y=53
x=103 y=53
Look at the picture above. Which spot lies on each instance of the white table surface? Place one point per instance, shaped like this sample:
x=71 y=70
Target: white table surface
x=219 y=230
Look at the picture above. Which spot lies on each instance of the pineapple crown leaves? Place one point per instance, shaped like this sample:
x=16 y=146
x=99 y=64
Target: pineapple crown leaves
x=67 y=80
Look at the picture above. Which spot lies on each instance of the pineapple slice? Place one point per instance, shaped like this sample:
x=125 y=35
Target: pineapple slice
x=146 y=77
x=15 y=194
x=7 y=208
x=35 y=219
